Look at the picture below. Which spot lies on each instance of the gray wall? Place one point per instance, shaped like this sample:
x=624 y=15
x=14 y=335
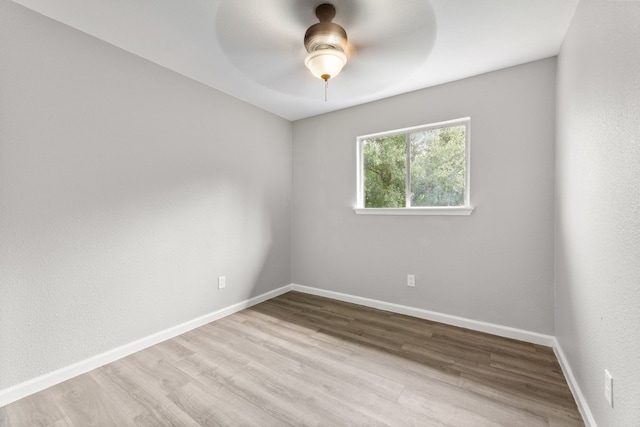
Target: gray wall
x=495 y=265
x=125 y=190
x=598 y=205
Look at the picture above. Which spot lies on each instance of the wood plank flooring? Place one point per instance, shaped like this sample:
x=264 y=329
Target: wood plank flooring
x=302 y=360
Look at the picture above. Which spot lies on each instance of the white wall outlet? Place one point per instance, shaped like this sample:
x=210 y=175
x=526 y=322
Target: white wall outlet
x=608 y=387
x=411 y=280
x=222 y=282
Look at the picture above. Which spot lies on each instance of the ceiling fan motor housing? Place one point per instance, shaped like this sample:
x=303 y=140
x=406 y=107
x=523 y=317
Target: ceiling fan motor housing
x=325 y=34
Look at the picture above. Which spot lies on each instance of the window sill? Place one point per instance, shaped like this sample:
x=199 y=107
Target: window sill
x=444 y=210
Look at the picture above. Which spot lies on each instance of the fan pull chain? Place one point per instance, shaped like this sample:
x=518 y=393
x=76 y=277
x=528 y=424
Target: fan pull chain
x=326 y=86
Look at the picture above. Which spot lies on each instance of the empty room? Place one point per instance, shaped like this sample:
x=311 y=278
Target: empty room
x=296 y=212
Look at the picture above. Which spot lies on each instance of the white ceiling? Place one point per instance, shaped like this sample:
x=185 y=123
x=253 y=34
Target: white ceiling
x=253 y=49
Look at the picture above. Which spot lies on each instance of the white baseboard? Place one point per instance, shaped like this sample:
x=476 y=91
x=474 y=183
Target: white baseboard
x=583 y=407
x=37 y=384
x=503 y=331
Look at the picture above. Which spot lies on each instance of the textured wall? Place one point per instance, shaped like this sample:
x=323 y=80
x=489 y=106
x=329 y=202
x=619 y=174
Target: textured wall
x=495 y=265
x=125 y=190
x=598 y=205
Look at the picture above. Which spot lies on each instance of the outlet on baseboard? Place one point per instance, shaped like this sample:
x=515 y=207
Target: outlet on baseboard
x=222 y=282
x=411 y=280
x=608 y=387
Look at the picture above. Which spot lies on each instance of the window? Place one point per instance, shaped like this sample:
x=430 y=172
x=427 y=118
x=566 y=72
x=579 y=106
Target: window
x=422 y=170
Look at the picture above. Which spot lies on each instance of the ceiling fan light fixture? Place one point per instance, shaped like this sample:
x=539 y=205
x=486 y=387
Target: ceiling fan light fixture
x=325 y=63
x=325 y=42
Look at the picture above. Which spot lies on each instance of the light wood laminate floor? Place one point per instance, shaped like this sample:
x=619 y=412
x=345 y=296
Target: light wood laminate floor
x=305 y=360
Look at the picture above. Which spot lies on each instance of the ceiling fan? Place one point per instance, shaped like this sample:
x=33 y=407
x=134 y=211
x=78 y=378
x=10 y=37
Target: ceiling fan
x=326 y=43
x=272 y=42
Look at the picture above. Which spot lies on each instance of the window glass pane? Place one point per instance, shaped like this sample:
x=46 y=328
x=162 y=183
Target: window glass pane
x=437 y=167
x=384 y=172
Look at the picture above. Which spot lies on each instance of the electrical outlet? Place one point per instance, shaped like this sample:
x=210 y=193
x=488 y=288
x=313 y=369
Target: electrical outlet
x=411 y=280
x=608 y=387
x=222 y=282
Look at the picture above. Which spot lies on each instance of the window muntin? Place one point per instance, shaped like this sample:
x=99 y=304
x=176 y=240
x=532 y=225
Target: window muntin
x=424 y=168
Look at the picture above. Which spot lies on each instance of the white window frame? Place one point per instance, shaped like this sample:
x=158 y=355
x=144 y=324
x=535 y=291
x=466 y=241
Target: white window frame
x=465 y=209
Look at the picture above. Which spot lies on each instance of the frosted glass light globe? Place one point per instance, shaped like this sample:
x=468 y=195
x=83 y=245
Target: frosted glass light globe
x=325 y=63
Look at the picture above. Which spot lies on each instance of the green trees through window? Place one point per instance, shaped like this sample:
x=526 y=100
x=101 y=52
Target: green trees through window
x=385 y=172
x=422 y=167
